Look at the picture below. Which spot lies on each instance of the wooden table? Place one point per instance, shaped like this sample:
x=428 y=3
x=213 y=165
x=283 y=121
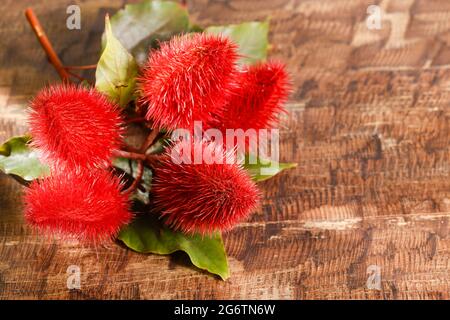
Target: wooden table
x=368 y=124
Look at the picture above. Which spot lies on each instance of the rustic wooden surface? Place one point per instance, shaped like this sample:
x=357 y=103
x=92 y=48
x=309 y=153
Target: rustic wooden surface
x=368 y=124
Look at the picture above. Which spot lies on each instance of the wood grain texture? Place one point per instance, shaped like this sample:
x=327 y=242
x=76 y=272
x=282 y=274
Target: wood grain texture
x=368 y=124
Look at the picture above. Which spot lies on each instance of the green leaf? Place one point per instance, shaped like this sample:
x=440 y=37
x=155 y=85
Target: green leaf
x=116 y=70
x=17 y=158
x=139 y=26
x=129 y=167
x=147 y=234
x=261 y=169
x=252 y=38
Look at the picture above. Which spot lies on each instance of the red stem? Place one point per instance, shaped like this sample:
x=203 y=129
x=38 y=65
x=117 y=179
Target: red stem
x=79 y=77
x=127 y=147
x=129 y=155
x=87 y=67
x=150 y=140
x=150 y=160
x=134 y=120
x=140 y=157
x=137 y=180
x=46 y=45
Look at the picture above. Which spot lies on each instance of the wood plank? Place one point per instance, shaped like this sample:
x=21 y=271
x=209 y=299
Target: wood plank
x=368 y=124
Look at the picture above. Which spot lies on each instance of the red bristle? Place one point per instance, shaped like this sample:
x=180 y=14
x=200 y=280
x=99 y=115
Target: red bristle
x=262 y=90
x=203 y=198
x=74 y=126
x=86 y=205
x=188 y=79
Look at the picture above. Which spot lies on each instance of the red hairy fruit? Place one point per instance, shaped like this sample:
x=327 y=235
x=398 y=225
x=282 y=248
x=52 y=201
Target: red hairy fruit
x=188 y=79
x=202 y=198
x=74 y=126
x=262 y=91
x=87 y=205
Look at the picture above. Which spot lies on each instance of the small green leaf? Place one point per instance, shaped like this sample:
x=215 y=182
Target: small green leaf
x=139 y=26
x=17 y=158
x=260 y=169
x=116 y=70
x=147 y=234
x=129 y=167
x=252 y=38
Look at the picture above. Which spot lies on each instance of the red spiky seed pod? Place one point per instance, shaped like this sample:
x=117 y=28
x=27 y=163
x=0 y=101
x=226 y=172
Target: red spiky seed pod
x=188 y=79
x=202 y=198
x=256 y=103
x=87 y=205
x=74 y=126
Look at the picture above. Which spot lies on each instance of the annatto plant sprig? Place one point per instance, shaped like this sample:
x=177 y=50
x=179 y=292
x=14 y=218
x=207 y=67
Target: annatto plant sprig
x=161 y=75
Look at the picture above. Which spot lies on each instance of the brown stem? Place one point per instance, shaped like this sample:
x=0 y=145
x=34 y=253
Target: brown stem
x=150 y=140
x=137 y=180
x=130 y=148
x=79 y=77
x=134 y=120
x=150 y=160
x=46 y=45
x=87 y=67
x=129 y=155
